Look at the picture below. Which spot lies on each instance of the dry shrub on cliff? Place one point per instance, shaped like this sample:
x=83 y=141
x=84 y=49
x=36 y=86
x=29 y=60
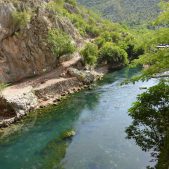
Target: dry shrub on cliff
x=21 y=18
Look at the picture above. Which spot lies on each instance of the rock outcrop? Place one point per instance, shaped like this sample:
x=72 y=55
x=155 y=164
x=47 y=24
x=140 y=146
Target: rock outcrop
x=25 y=51
x=27 y=61
x=15 y=103
x=86 y=77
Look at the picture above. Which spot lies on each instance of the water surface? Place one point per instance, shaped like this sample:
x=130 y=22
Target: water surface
x=98 y=116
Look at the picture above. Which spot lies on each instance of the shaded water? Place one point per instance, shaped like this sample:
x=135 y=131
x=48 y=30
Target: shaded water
x=99 y=118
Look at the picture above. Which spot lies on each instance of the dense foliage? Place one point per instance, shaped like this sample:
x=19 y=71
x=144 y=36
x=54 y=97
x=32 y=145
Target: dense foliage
x=113 y=54
x=133 y=12
x=150 y=114
x=61 y=42
x=90 y=53
x=99 y=31
x=150 y=126
x=156 y=59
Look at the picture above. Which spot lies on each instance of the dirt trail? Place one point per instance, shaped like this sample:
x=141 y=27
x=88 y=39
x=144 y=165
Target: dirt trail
x=45 y=79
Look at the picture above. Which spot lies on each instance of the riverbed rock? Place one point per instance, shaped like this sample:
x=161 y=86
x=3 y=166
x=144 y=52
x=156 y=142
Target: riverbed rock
x=68 y=134
x=87 y=77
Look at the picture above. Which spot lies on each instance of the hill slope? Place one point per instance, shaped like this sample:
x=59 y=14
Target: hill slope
x=132 y=12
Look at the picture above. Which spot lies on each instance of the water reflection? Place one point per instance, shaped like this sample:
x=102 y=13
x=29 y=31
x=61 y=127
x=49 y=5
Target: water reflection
x=150 y=125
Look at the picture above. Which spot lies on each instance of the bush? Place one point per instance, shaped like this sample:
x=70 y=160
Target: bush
x=56 y=5
x=132 y=46
x=21 y=18
x=115 y=37
x=92 y=31
x=90 y=53
x=99 y=41
x=107 y=36
x=113 y=54
x=61 y=42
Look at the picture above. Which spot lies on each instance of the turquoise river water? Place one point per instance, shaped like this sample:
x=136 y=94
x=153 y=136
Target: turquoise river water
x=98 y=116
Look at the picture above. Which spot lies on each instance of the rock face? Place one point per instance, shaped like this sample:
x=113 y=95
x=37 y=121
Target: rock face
x=25 y=52
x=15 y=103
x=27 y=58
x=86 y=77
x=19 y=101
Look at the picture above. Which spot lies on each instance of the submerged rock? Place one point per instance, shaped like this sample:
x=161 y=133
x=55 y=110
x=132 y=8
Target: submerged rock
x=68 y=134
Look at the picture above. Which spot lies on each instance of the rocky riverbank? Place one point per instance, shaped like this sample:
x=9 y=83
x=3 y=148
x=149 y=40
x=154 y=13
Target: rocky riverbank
x=41 y=58
x=18 y=100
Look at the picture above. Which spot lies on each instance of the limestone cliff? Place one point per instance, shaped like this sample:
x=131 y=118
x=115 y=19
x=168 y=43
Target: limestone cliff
x=37 y=75
x=25 y=51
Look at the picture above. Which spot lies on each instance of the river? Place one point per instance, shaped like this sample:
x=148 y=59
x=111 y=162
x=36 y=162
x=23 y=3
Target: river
x=98 y=116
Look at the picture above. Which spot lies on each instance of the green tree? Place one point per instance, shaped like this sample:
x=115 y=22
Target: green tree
x=150 y=125
x=90 y=54
x=156 y=59
x=113 y=54
x=163 y=18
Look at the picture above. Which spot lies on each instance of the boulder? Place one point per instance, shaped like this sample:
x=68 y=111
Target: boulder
x=18 y=102
x=68 y=134
x=87 y=77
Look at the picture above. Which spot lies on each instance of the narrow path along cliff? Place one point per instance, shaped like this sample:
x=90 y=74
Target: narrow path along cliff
x=50 y=48
x=41 y=91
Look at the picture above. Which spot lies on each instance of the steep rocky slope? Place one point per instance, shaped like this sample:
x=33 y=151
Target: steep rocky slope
x=34 y=65
x=132 y=12
x=24 y=50
x=50 y=48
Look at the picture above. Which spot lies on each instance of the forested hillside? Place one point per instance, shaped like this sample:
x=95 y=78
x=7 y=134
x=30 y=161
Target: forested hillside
x=132 y=12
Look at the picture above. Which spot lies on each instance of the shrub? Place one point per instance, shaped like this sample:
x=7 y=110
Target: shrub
x=90 y=53
x=99 y=41
x=107 y=36
x=61 y=42
x=21 y=18
x=113 y=54
x=56 y=6
x=115 y=37
x=92 y=31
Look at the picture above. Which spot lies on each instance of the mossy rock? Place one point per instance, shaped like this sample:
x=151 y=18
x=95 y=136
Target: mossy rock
x=68 y=134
